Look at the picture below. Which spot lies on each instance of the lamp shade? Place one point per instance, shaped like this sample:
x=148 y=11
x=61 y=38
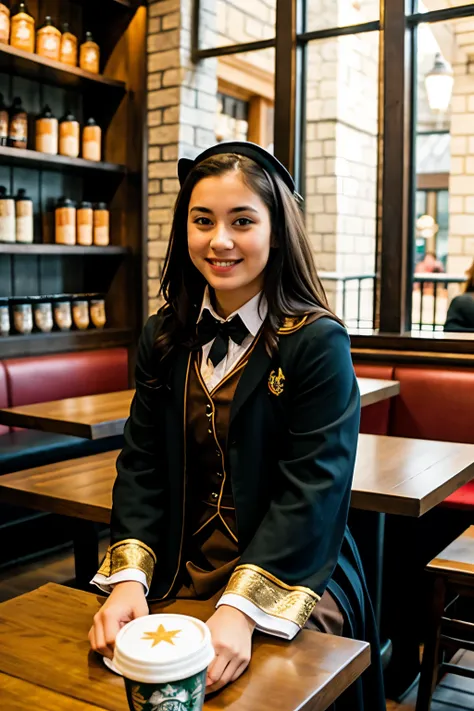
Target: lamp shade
x=439 y=84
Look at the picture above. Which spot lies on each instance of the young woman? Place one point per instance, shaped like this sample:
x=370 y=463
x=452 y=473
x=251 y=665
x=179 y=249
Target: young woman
x=234 y=481
x=461 y=309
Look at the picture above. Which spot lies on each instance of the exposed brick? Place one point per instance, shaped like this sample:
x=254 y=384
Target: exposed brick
x=171 y=115
x=170 y=152
x=154 y=81
x=155 y=118
x=163 y=60
x=154 y=153
x=162 y=170
x=154 y=186
x=153 y=267
x=154 y=25
x=163 y=41
x=165 y=200
x=163 y=7
x=161 y=135
x=171 y=21
x=163 y=97
x=157 y=250
x=160 y=216
x=170 y=186
x=154 y=232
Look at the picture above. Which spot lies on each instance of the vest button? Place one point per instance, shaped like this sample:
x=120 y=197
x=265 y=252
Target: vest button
x=220 y=475
x=214 y=496
x=210 y=431
x=218 y=453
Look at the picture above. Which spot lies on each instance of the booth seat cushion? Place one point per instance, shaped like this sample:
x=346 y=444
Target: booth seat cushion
x=434 y=403
x=374 y=419
x=3 y=395
x=63 y=375
x=30 y=448
x=462 y=499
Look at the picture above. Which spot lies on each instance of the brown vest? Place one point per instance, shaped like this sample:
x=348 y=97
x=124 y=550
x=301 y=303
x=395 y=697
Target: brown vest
x=210 y=547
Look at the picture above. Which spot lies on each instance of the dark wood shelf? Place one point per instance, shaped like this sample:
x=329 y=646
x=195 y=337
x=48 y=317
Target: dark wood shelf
x=62 y=341
x=32 y=66
x=44 y=161
x=60 y=249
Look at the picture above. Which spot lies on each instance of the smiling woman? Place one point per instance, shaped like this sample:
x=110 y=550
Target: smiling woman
x=234 y=482
x=229 y=236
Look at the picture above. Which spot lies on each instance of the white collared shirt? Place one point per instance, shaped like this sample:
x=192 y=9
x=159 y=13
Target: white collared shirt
x=253 y=315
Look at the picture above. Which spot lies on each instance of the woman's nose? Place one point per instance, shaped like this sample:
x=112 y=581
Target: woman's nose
x=221 y=239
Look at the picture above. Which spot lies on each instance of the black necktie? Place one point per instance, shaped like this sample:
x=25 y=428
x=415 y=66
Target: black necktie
x=210 y=327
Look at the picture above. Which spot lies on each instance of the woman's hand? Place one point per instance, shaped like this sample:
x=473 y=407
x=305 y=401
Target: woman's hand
x=126 y=602
x=231 y=632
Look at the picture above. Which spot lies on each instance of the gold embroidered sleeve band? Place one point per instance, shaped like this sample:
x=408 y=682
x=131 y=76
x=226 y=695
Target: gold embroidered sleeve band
x=130 y=553
x=272 y=595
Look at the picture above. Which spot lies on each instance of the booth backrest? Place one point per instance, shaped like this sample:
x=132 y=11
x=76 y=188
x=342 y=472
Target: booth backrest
x=434 y=403
x=375 y=419
x=3 y=395
x=63 y=375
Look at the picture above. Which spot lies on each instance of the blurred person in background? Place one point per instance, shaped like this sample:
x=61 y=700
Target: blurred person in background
x=461 y=309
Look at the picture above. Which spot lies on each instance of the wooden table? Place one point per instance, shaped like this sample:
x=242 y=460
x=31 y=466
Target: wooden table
x=392 y=475
x=43 y=638
x=97 y=416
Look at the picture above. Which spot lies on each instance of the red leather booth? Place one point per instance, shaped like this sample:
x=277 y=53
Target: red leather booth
x=434 y=403
x=32 y=380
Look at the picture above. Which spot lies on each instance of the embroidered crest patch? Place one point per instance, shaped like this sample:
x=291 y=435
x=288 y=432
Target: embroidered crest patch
x=276 y=382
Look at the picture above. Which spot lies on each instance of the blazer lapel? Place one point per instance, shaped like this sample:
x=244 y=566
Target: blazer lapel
x=254 y=371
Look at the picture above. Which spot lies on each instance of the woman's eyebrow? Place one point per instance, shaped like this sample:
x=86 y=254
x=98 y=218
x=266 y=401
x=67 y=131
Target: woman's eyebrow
x=241 y=208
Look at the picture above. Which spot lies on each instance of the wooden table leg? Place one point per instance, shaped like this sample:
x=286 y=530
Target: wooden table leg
x=86 y=551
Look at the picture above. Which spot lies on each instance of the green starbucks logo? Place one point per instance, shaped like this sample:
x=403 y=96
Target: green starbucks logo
x=185 y=695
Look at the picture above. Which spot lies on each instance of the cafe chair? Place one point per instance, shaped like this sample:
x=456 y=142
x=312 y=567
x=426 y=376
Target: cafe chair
x=453 y=579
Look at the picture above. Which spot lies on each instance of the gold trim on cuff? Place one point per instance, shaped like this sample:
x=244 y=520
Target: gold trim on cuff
x=129 y=553
x=272 y=595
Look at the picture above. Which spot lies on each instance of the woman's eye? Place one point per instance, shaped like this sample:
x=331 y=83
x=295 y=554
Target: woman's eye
x=202 y=221
x=243 y=222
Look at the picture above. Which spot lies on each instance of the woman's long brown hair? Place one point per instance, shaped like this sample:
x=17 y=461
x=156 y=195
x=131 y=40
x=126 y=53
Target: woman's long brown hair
x=291 y=284
x=469 y=286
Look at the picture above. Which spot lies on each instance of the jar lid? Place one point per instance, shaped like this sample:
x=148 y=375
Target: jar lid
x=65 y=27
x=163 y=648
x=21 y=195
x=46 y=113
x=4 y=195
x=68 y=116
x=91 y=122
x=65 y=202
x=100 y=206
x=60 y=297
x=40 y=299
x=17 y=105
x=48 y=22
x=89 y=37
x=85 y=205
x=18 y=300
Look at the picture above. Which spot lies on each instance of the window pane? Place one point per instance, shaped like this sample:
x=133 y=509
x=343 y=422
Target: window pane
x=246 y=84
x=444 y=233
x=341 y=169
x=238 y=21
x=326 y=14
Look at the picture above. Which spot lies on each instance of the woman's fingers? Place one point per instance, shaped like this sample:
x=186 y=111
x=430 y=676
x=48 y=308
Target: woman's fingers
x=111 y=627
x=100 y=644
x=216 y=669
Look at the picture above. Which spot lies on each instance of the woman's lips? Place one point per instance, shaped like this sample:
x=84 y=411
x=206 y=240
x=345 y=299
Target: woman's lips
x=223 y=266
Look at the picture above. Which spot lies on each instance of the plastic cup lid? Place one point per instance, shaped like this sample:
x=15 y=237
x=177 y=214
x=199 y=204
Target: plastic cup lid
x=162 y=648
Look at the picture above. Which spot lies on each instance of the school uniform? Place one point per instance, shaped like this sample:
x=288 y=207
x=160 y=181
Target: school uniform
x=234 y=483
x=460 y=315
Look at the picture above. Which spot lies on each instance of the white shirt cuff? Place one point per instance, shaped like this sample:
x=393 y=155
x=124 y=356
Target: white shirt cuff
x=264 y=622
x=107 y=584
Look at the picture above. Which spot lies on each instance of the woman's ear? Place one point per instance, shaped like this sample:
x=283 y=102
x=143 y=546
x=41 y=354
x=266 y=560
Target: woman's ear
x=273 y=241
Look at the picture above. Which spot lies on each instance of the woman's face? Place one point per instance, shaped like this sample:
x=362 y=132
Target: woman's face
x=229 y=234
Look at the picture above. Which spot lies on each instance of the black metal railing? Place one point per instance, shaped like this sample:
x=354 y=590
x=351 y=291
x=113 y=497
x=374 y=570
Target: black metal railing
x=429 y=307
x=432 y=290
x=351 y=285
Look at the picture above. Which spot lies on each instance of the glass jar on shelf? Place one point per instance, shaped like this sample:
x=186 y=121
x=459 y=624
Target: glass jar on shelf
x=22 y=314
x=62 y=311
x=42 y=313
x=97 y=310
x=80 y=311
x=4 y=316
